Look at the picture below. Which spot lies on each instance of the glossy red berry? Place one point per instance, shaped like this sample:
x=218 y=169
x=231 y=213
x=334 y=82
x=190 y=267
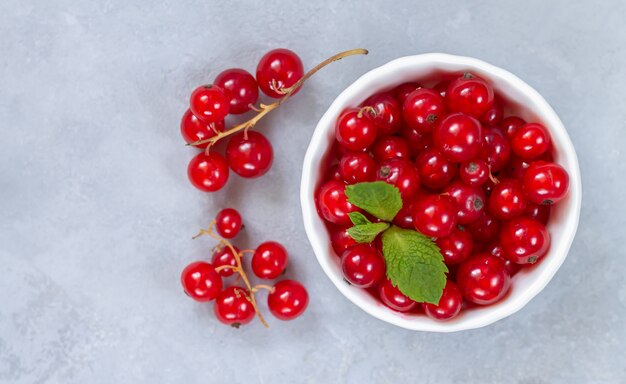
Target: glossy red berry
x=357 y=167
x=333 y=173
x=233 y=307
x=494 y=115
x=278 y=70
x=340 y=240
x=545 y=182
x=449 y=305
x=442 y=87
x=404 y=217
x=390 y=147
x=539 y=212
x=393 y=298
x=458 y=137
x=485 y=229
x=208 y=173
x=507 y=200
x=483 y=279
x=517 y=167
x=225 y=256
x=288 y=300
x=209 y=103
x=530 y=141
x=511 y=124
x=333 y=203
x=200 y=281
x=387 y=113
x=363 y=266
x=474 y=172
x=240 y=88
x=495 y=248
x=400 y=173
x=269 y=260
x=524 y=240
x=469 y=94
x=417 y=141
x=228 y=223
x=469 y=201
x=193 y=129
x=496 y=150
x=356 y=129
x=402 y=91
x=434 y=169
x=422 y=109
x=249 y=157
x=456 y=247
x=434 y=215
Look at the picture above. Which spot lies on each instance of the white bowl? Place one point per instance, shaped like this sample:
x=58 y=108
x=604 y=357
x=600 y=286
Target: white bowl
x=530 y=105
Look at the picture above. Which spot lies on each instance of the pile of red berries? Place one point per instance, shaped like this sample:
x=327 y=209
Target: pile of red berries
x=236 y=305
x=479 y=183
x=235 y=91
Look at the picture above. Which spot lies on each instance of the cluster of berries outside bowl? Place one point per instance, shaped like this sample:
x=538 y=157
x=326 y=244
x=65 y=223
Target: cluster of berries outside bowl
x=518 y=96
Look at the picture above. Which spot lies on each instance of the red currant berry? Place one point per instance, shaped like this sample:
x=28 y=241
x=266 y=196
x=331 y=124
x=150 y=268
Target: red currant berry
x=496 y=150
x=249 y=157
x=209 y=103
x=334 y=174
x=288 y=300
x=193 y=129
x=469 y=201
x=470 y=95
x=200 y=281
x=538 y=212
x=356 y=129
x=417 y=141
x=240 y=87
x=474 y=172
x=434 y=215
x=393 y=298
x=545 y=182
x=483 y=279
x=225 y=256
x=442 y=87
x=495 y=248
x=208 y=173
x=269 y=260
x=402 y=91
x=511 y=124
x=341 y=240
x=484 y=229
x=507 y=200
x=524 y=240
x=388 y=113
x=458 y=137
x=449 y=305
x=400 y=173
x=494 y=115
x=278 y=70
x=233 y=307
x=422 y=108
x=390 y=147
x=363 y=266
x=456 y=247
x=530 y=141
x=333 y=203
x=228 y=223
x=404 y=217
x=517 y=167
x=434 y=169
x=357 y=167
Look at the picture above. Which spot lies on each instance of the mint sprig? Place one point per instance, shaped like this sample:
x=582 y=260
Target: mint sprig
x=377 y=198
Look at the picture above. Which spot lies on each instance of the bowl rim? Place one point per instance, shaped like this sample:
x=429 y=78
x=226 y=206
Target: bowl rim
x=310 y=170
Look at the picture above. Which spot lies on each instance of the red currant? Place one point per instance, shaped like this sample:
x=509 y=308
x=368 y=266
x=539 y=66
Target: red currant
x=400 y=173
x=496 y=150
x=225 y=256
x=530 y=141
x=417 y=141
x=228 y=223
x=240 y=87
x=511 y=124
x=341 y=240
x=208 y=173
x=545 y=182
x=434 y=169
x=517 y=167
x=456 y=247
x=209 y=103
x=288 y=300
x=474 y=172
x=388 y=113
x=434 y=215
x=278 y=70
x=469 y=201
x=484 y=229
x=422 y=108
x=200 y=281
x=193 y=129
x=495 y=248
x=249 y=157
x=458 y=137
x=507 y=200
x=404 y=217
x=269 y=260
x=402 y=91
x=356 y=129
x=393 y=298
x=524 y=240
x=333 y=203
x=449 y=305
x=334 y=174
x=442 y=87
x=483 y=279
x=363 y=266
x=470 y=95
x=494 y=115
x=233 y=307
x=357 y=167
x=541 y=213
x=390 y=147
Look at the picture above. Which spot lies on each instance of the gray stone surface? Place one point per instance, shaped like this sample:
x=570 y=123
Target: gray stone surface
x=96 y=213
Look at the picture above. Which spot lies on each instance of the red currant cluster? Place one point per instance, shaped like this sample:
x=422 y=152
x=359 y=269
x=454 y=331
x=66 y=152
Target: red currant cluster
x=480 y=183
x=236 y=305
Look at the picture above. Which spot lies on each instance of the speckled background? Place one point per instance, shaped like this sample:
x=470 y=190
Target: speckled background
x=96 y=213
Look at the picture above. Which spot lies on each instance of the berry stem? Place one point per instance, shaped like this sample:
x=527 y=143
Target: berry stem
x=265 y=109
x=258 y=287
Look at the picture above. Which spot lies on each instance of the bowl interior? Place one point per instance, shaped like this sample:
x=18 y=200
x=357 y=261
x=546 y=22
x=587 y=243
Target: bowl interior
x=527 y=104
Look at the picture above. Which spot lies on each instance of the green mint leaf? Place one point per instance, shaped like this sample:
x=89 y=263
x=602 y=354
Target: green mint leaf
x=377 y=198
x=358 y=218
x=414 y=264
x=366 y=233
